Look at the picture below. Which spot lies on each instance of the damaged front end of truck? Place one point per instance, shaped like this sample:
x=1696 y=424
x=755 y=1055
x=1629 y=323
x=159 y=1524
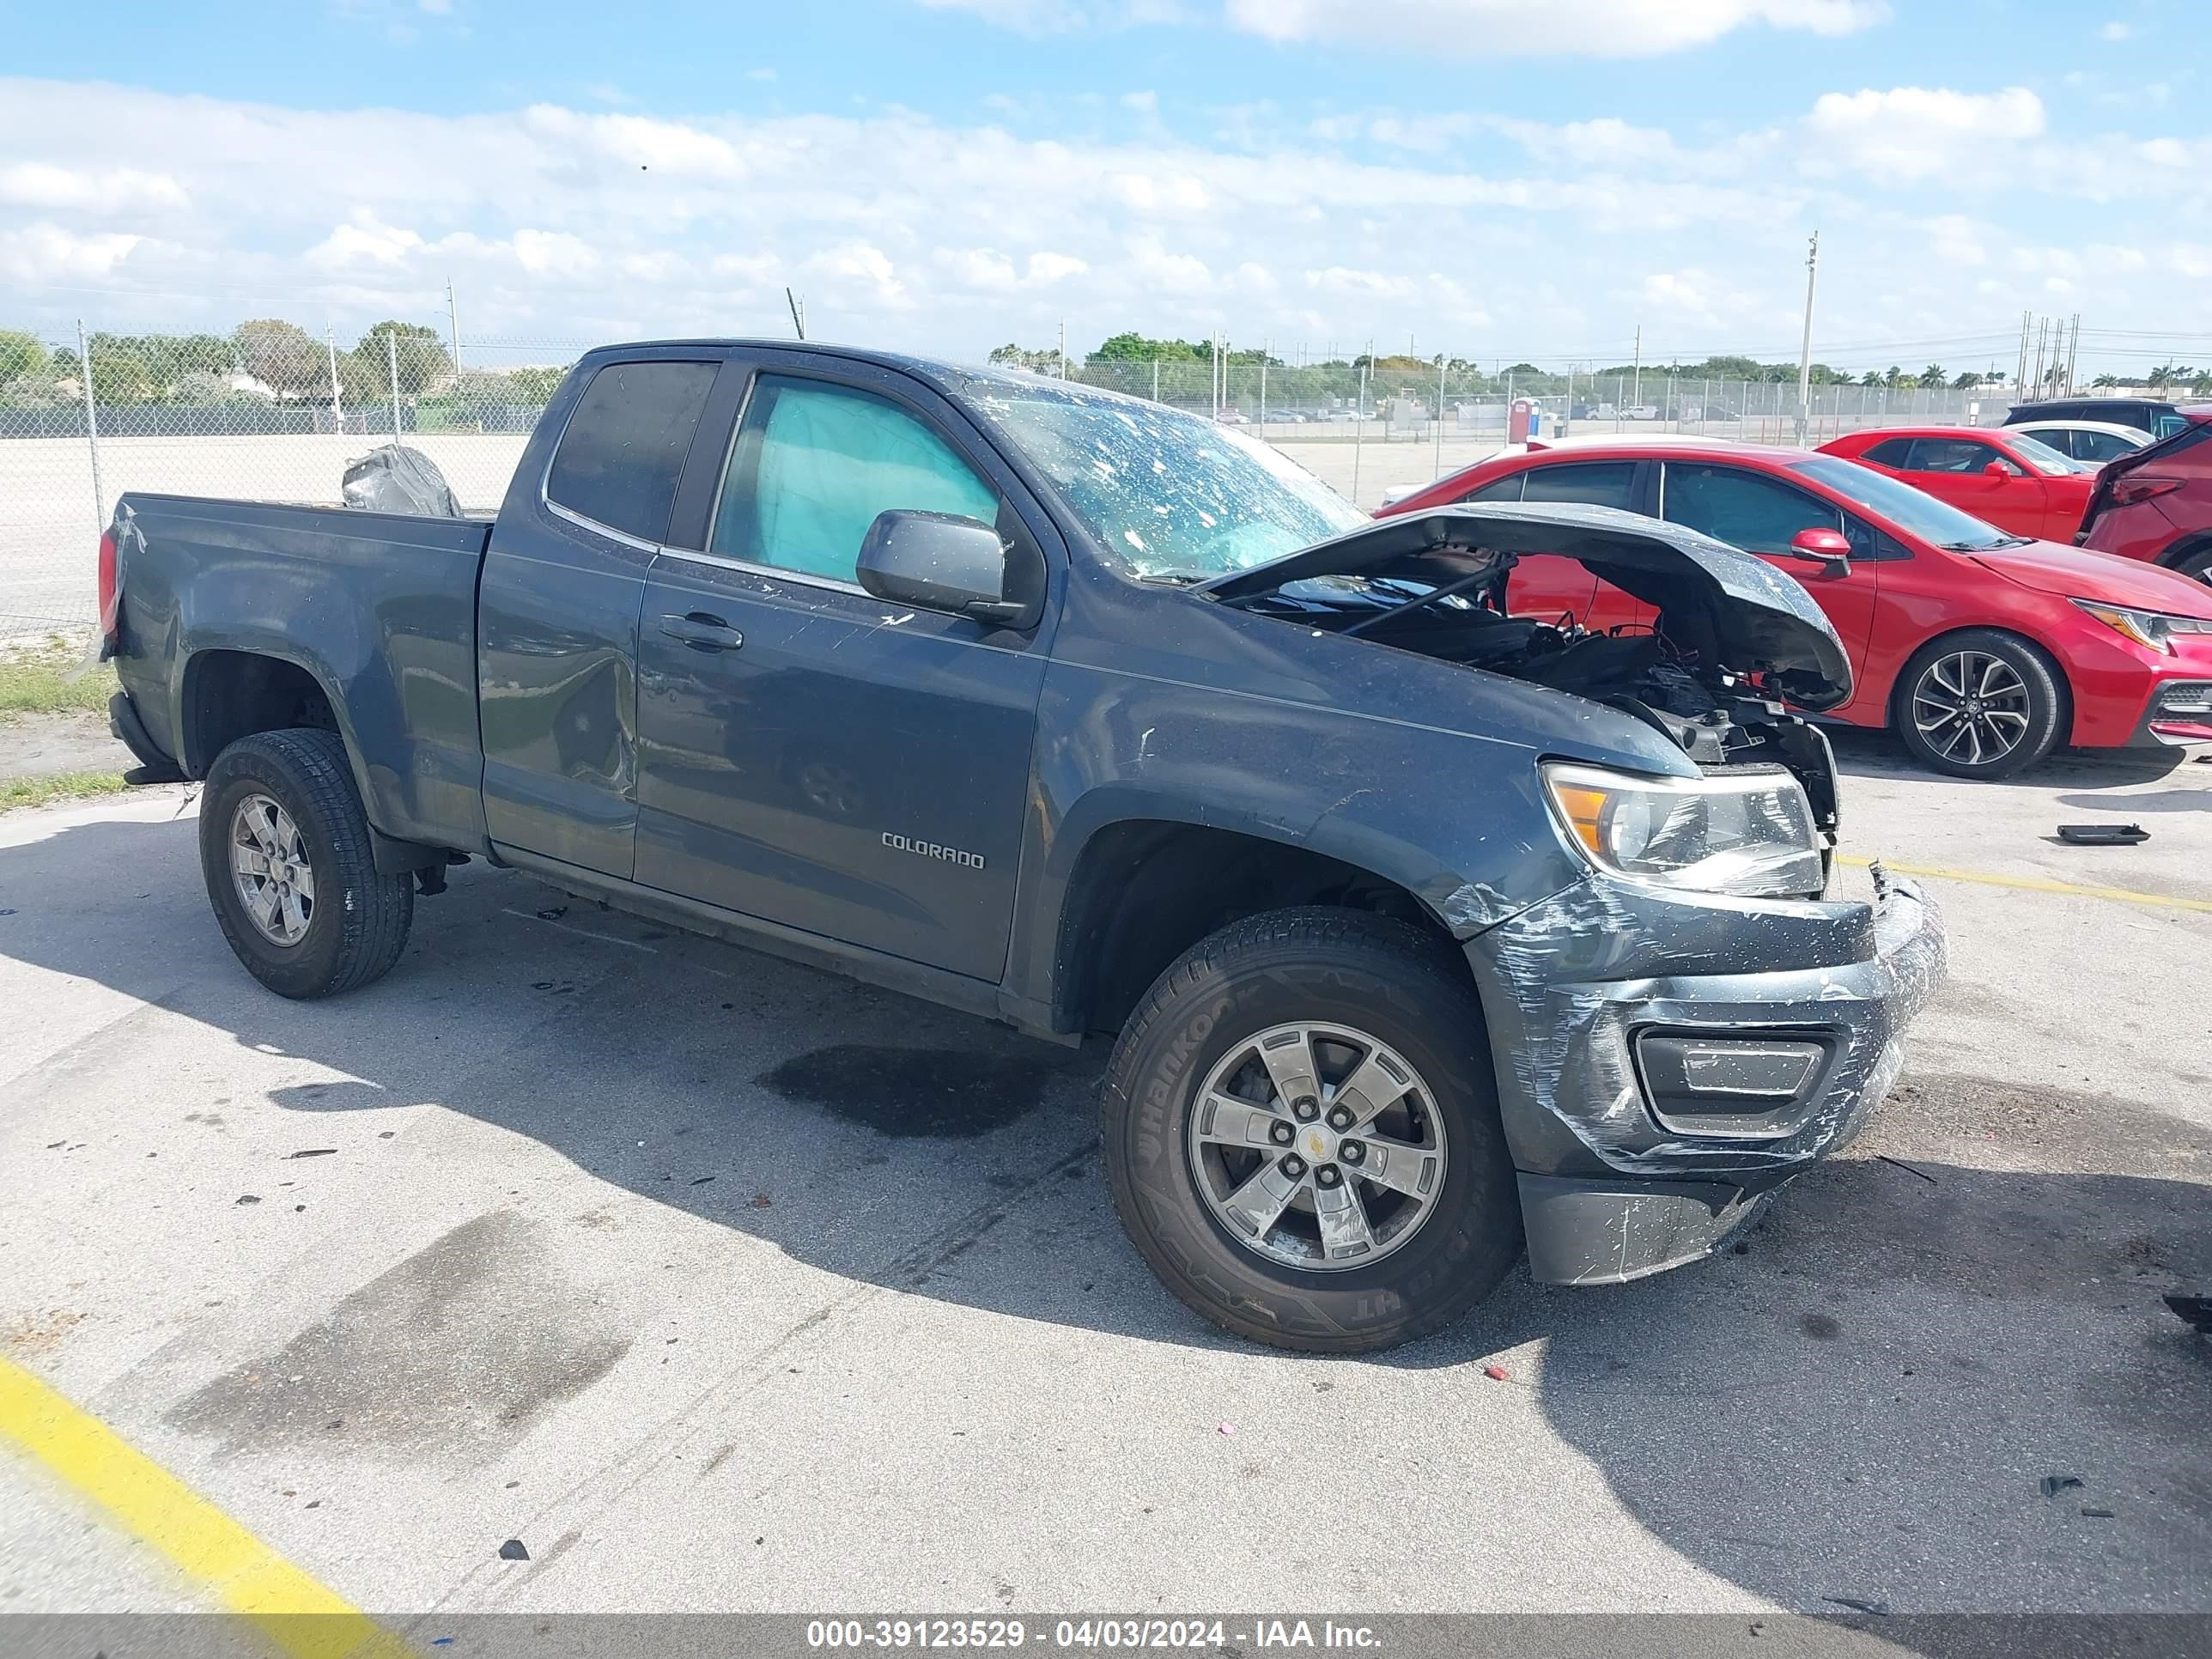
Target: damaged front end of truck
x=1693 y=1021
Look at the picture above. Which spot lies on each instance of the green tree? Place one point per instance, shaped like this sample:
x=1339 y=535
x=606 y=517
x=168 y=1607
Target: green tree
x=535 y=386
x=1045 y=361
x=2104 y=380
x=22 y=354
x=1872 y=377
x=1967 y=381
x=419 y=350
x=283 y=356
x=1934 y=376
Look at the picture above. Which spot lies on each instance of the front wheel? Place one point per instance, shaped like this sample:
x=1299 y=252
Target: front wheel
x=1980 y=704
x=285 y=849
x=1302 y=1135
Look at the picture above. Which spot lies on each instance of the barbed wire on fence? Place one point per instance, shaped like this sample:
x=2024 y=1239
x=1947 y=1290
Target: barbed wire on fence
x=273 y=412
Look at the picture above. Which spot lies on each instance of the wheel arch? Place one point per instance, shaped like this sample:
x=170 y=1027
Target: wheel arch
x=226 y=694
x=2183 y=549
x=1142 y=890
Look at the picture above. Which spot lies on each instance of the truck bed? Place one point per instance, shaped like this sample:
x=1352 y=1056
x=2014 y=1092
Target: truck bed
x=378 y=609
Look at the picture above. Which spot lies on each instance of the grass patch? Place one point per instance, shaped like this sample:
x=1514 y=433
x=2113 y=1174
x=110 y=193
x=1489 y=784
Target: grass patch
x=34 y=680
x=57 y=787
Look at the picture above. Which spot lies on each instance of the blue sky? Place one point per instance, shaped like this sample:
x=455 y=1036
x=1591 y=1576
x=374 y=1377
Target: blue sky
x=1497 y=179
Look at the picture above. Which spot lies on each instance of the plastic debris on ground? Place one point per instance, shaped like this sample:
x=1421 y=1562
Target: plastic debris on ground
x=2103 y=834
x=394 y=479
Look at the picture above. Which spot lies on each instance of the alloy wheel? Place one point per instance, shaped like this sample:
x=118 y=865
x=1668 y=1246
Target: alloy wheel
x=269 y=861
x=1971 y=708
x=1316 y=1146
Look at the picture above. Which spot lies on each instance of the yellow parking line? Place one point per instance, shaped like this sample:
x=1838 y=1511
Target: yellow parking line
x=299 y=1617
x=2033 y=884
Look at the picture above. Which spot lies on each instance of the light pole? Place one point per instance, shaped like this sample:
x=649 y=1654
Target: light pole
x=1804 y=350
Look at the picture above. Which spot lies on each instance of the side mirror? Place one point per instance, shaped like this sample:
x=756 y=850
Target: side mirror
x=942 y=562
x=1999 y=470
x=1829 y=548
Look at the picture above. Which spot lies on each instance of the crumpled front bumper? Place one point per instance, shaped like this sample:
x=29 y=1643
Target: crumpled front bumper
x=1612 y=1185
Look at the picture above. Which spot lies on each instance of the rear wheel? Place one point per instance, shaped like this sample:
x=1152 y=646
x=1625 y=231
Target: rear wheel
x=285 y=850
x=2197 y=563
x=1302 y=1135
x=1980 y=704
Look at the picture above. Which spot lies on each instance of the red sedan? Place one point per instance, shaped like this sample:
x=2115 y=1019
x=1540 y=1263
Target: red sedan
x=2003 y=478
x=1982 y=649
x=2156 y=504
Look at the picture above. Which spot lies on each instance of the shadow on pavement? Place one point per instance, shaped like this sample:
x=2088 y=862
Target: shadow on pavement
x=1859 y=1407
x=1861 y=753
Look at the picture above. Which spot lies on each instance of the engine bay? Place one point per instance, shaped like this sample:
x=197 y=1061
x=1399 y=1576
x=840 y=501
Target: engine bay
x=1668 y=676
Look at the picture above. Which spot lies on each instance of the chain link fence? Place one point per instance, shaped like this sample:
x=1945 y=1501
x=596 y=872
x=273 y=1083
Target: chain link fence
x=272 y=412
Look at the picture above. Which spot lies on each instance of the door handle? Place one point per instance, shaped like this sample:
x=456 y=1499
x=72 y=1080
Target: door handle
x=702 y=632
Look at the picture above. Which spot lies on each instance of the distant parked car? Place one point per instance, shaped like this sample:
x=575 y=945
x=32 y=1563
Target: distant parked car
x=1640 y=412
x=2156 y=504
x=1994 y=473
x=1981 y=650
x=2154 y=415
x=2091 y=442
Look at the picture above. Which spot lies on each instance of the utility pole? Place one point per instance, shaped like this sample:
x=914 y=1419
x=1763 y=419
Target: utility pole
x=453 y=321
x=91 y=427
x=1805 y=350
x=2042 y=337
x=337 y=409
x=2019 y=374
x=1359 y=420
x=1442 y=358
x=1636 y=397
x=797 y=311
x=1063 y=347
x=2072 y=343
x=391 y=359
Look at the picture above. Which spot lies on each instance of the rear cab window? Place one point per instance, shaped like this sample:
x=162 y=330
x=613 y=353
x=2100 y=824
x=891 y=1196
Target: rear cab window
x=623 y=451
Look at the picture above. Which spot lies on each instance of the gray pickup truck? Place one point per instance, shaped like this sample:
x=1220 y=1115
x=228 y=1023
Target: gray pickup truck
x=1428 y=929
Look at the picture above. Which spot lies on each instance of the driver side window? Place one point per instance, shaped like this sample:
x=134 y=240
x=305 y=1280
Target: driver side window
x=1953 y=455
x=814 y=464
x=1730 y=504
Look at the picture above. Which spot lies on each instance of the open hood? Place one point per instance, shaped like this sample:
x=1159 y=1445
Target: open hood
x=1710 y=595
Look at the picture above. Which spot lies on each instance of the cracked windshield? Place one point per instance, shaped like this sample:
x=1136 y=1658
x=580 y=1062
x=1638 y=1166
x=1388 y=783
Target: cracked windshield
x=1173 y=497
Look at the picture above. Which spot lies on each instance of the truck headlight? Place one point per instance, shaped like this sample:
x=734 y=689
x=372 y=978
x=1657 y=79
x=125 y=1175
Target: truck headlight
x=1750 y=834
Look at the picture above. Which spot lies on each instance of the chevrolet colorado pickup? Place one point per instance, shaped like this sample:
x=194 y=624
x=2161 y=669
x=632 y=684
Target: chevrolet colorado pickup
x=1430 y=931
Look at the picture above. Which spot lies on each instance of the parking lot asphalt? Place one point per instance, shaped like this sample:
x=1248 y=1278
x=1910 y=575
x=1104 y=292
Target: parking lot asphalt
x=722 y=1284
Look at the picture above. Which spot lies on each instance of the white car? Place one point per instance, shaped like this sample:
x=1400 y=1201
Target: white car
x=2091 y=442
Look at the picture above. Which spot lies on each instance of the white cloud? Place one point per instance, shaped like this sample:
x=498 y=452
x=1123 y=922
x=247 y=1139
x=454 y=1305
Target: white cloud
x=364 y=238
x=47 y=254
x=984 y=268
x=117 y=190
x=1910 y=133
x=1046 y=268
x=1179 y=194
x=1503 y=28
x=1367 y=284
x=1532 y=240
x=2115 y=30
x=554 y=253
